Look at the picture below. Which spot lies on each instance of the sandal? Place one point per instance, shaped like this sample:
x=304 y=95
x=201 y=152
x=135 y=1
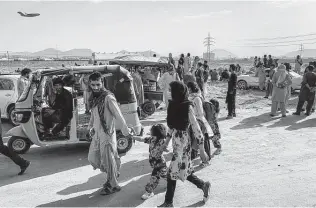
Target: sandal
x=106 y=191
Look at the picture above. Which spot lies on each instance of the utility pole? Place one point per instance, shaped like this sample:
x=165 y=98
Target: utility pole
x=301 y=49
x=208 y=42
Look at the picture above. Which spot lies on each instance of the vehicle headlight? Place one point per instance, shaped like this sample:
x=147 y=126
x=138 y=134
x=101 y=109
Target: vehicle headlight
x=22 y=116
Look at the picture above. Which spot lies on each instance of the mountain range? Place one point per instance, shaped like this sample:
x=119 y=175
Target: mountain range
x=84 y=52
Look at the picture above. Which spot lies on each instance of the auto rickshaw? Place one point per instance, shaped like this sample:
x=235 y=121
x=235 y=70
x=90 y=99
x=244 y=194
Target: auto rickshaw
x=30 y=105
x=153 y=96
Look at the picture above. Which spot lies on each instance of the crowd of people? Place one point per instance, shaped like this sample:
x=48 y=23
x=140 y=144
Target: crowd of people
x=191 y=120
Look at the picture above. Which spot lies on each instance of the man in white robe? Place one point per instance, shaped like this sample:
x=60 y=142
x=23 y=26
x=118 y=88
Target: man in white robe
x=103 y=153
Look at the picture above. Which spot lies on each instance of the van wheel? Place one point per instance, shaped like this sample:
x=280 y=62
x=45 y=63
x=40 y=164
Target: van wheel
x=11 y=115
x=148 y=107
x=124 y=144
x=242 y=85
x=19 y=145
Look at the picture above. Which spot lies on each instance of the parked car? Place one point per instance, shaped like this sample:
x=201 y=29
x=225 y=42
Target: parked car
x=246 y=81
x=8 y=96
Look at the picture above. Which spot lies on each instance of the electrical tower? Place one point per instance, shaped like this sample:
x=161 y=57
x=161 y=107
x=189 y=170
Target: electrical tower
x=208 y=42
x=301 y=50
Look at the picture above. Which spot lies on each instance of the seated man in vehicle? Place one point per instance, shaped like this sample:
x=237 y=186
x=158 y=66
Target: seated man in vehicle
x=61 y=111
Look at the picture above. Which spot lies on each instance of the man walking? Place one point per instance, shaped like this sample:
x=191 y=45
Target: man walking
x=231 y=93
x=307 y=92
x=24 y=164
x=103 y=148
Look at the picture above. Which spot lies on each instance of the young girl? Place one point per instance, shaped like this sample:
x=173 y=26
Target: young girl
x=157 y=161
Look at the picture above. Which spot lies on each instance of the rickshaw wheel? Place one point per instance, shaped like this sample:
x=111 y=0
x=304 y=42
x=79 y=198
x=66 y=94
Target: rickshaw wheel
x=19 y=145
x=149 y=107
x=124 y=144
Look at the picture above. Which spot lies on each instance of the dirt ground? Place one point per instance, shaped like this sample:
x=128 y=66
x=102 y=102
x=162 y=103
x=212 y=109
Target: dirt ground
x=265 y=162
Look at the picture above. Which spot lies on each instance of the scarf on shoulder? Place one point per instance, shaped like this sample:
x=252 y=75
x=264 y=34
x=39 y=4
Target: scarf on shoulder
x=99 y=102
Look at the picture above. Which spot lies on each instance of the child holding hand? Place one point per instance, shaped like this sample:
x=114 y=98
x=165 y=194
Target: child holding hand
x=157 y=161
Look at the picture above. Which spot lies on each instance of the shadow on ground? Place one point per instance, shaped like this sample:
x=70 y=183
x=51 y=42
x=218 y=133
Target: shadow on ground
x=129 y=196
x=255 y=121
x=128 y=171
x=305 y=124
x=45 y=161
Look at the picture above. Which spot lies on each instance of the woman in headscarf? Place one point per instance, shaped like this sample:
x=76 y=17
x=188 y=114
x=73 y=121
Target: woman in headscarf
x=280 y=80
x=180 y=116
x=197 y=100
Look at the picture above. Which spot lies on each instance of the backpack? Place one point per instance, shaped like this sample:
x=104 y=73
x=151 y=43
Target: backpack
x=209 y=111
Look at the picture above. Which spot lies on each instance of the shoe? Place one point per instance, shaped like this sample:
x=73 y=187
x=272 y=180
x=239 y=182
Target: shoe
x=283 y=115
x=272 y=115
x=287 y=111
x=265 y=97
x=106 y=191
x=307 y=114
x=296 y=113
x=234 y=115
x=204 y=164
x=23 y=168
x=206 y=190
x=313 y=110
x=147 y=195
x=116 y=189
x=303 y=110
x=166 y=205
x=229 y=117
x=218 y=151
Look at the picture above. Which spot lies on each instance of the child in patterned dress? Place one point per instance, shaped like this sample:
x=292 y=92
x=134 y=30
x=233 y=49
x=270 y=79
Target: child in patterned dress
x=157 y=161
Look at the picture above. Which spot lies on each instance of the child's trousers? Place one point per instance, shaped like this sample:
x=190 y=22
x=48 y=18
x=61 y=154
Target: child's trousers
x=156 y=175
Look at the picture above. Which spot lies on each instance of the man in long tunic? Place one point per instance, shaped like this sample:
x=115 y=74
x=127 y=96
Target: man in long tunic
x=84 y=84
x=139 y=90
x=103 y=153
x=164 y=82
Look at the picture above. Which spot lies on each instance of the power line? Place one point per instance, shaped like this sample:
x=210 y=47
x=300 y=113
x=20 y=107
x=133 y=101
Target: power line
x=285 y=37
x=255 y=46
x=289 y=41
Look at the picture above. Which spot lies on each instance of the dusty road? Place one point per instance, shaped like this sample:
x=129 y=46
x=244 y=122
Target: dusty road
x=265 y=162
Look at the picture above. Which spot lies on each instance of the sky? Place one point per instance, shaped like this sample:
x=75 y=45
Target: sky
x=161 y=26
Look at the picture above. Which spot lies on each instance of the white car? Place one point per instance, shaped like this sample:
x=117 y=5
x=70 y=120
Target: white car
x=8 y=95
x=246 y=81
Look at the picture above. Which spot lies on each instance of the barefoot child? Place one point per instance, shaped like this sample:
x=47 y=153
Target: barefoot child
x=157 y=161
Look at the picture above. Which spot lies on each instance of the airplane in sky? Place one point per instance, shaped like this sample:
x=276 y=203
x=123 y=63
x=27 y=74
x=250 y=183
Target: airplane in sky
x=23 y=14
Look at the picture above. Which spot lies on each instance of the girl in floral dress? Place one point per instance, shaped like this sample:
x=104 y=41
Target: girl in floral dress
x=180 y=116
x=156 y=159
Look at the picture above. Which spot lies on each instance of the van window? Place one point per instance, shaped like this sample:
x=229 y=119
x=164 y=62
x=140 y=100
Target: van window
x=6 y=84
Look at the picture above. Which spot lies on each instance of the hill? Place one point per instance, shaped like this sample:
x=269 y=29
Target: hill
x=49 y=52
x=78 y=52
x=223 y=54
x=307 y=53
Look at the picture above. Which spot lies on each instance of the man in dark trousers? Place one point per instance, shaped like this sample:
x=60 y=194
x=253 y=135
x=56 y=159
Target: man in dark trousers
x=307 y=92
x=24 y=164
x=231 y=93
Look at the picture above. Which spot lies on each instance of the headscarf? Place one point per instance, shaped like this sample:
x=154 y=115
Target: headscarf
x=282 y=77
x=178 y=108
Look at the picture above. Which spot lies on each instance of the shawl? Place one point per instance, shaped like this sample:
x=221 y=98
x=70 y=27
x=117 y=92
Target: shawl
x=178 y=108
x=99 y=102
x=282 y=76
